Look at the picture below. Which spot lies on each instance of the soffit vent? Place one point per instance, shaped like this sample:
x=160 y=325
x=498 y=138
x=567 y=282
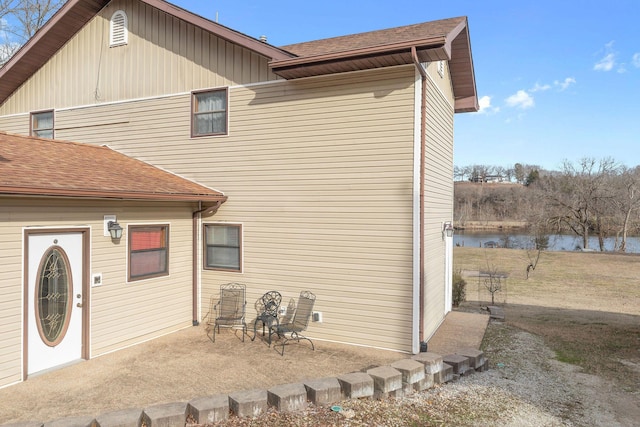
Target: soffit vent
x=118 y=33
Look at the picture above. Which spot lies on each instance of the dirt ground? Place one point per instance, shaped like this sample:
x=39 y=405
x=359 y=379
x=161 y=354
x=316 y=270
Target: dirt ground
x=584 y=307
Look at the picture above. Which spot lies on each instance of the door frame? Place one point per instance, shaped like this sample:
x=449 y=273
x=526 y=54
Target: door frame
x=86 y=312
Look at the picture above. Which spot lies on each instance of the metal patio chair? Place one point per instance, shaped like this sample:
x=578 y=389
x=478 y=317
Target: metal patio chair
x=268 y=306
x=229 y=311
x=292 y=331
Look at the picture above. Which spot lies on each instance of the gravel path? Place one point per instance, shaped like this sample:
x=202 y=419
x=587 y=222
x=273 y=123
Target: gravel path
x=525 y=386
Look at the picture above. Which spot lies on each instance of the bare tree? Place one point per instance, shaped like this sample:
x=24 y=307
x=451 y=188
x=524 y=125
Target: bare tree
x=578 y=194
x=627 y=200
x=19 y=21
x=493 y=280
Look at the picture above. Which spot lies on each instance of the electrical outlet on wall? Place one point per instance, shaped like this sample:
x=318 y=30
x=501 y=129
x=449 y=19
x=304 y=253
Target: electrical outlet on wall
x=317 y=316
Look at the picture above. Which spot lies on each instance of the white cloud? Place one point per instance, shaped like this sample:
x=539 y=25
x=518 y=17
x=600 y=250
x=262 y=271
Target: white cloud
x=564 y=85
x=635 y=60
x=520 y=99
x=538 y=87
x=608 y=61
x=485 y=105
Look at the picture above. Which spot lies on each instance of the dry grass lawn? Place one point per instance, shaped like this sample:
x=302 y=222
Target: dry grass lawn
x=585 y=305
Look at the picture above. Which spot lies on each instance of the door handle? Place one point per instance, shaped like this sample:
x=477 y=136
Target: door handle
x=79 y=304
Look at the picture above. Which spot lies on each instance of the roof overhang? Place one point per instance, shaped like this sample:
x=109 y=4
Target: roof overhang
x=387 y=55
x=453 y=46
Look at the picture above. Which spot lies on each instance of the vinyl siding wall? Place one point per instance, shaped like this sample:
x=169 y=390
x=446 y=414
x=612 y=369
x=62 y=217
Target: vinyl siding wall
x=318 y=172
x=321 y=178
x=121 y=313
x=163 y=55
x=439 y=191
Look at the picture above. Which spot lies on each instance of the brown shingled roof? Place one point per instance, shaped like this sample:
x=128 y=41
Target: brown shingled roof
x=390 y=36
x=446 y=39
x=44 y=167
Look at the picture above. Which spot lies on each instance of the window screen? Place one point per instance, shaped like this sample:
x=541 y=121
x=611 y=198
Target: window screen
x=223 y=246
x=148 y=251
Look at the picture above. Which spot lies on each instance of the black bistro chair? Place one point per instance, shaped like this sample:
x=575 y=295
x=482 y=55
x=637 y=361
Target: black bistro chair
x=268 y=305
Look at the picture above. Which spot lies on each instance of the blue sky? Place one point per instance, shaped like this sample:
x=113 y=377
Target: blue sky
x=557 y=79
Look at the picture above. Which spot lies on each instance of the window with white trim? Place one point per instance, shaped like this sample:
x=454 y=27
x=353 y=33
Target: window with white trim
x=223 y=247
x=42 y=124
x=118 y=29
x=209 y=112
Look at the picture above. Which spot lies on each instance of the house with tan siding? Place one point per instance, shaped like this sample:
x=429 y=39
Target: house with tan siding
x=324 y=166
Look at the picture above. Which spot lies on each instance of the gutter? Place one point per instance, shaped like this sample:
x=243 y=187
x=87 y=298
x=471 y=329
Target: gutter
x=107 y=194
x=195 y=218
x=384 y=49
x=423 y=137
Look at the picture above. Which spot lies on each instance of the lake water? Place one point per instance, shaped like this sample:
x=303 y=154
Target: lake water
x=557 y=242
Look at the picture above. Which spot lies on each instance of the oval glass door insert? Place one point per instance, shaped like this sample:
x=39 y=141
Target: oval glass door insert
x=54 y=296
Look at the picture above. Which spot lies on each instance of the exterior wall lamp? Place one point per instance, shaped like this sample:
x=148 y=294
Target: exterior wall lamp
x=447 y=229
x=115 y=231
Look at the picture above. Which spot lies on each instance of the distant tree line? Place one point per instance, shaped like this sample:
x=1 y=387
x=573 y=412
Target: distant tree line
x=519 y=173
x=587 y=198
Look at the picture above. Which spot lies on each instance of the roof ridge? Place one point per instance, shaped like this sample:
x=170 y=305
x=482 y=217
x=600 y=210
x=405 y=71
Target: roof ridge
x=365 y=33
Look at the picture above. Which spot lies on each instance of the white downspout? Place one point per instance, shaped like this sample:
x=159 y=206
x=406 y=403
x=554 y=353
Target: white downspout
x=420 y=125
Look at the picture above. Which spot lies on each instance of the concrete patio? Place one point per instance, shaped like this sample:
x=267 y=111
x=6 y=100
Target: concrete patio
x=159 y=378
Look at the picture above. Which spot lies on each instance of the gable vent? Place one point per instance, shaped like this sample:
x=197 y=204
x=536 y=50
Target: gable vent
x=118 y=33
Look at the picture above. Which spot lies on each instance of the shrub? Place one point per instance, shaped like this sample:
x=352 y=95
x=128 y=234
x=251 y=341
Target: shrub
x=459 y=289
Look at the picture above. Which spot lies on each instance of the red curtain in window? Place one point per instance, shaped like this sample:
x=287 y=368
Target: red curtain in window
x=147 y=239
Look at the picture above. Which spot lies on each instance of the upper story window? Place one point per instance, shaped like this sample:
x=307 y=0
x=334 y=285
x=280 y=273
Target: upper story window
x=209 y=112
x=148 y=251
x=223 y=247
x=118 y=29
x=42 y=124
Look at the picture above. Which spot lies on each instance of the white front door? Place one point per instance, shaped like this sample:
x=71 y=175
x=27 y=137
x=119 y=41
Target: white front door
x=54 y=299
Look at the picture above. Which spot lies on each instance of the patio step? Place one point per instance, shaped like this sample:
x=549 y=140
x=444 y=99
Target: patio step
x=323 y=391
x=387 y=382
x=444 y=375
x=209 y=409
x=412 y=371
x=476 y=357
x=356 y=385
x=459 y=363
x=287 y=397
x=432 y=362
x=250 y=403
x=123 y=418
x=167 y=415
